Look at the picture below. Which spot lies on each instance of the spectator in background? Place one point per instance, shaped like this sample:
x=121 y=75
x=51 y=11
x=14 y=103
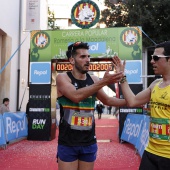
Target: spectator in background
x=99 y=109
x=109 y=109
x=5 y=106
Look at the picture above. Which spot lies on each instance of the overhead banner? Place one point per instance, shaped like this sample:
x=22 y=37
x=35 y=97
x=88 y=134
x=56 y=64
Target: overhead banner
x=126 y=42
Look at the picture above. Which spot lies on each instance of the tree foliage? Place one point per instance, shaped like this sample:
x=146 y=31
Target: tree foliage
x=152 y=15
x=51 y=20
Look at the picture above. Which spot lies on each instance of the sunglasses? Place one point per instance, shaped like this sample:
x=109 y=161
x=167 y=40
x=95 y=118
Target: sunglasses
x=76 y=44
x=157 y=57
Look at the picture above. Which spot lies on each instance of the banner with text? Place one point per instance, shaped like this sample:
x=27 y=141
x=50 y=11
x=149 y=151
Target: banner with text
x=136 y=131
x=39 y=118
x=132 y=128
x=143 y=139
x=126 y=42
x=16 y=125
x=40 y=73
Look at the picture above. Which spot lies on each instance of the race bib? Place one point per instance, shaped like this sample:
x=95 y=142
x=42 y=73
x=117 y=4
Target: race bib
x=160 y=128
x=80 y=120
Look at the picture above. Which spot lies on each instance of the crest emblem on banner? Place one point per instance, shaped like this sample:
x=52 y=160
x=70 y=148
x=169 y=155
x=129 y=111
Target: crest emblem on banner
x=41 y=40
x=130 y=37
x=85 y=14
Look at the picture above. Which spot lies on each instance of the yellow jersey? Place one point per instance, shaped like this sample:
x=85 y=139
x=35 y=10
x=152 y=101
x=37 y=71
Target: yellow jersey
x=159 y=141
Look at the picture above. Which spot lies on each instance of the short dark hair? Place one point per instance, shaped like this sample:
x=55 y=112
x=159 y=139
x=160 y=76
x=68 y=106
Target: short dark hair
x=166 y=46
x=5 y=100
x=73 y=47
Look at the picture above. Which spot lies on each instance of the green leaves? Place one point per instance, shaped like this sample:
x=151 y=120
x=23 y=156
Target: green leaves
x=152 y=15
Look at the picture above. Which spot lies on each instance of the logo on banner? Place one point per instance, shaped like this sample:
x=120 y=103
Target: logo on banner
x=85 y=14
x=40 y=97
x=14 y=126
x=41 y=40
x=133 y=71
x=40 y=72
x=130 y=37
x=96 y=47
x=39 y=109
x=38 y=123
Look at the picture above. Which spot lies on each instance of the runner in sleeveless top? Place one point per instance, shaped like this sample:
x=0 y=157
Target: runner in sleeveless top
x=157 y=154
x=77 y=92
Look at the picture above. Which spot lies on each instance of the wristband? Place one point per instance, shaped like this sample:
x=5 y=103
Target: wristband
x=123 y=80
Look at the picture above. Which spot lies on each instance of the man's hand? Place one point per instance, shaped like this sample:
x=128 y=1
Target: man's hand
x=112 y=78
x=119 y=66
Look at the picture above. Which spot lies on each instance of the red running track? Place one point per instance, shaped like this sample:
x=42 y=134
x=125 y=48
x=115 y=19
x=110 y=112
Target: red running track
x=40 y=155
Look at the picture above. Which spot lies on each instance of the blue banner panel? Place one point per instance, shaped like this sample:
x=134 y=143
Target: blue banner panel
x=132 y=127
x=40 y=73
x=123 y=112
x=142 y=141
x=2 y=131
x=97 y=47
x=133 y=71
x=16 y=125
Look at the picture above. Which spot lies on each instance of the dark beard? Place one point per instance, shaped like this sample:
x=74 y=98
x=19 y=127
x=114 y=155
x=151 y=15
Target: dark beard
x=77 y=66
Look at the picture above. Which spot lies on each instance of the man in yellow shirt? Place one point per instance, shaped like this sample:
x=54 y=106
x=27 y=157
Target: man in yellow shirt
x=157 y=154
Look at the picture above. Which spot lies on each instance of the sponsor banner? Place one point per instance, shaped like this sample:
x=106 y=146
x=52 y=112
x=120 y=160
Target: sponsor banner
x=144 y=136
x=126 y=42
x=137 y=110
x=133 y=71
x=124 y=111
x=15 y=125
x=40 y=72
x=136 y=131
x=132 y=127
x=99 y=47
x=2 y=131
x=39 y=119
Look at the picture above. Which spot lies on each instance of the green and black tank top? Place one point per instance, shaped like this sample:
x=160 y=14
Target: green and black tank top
x=77 y=123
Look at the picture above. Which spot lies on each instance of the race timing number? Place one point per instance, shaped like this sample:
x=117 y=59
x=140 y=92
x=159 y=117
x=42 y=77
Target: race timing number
x=93 y=66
